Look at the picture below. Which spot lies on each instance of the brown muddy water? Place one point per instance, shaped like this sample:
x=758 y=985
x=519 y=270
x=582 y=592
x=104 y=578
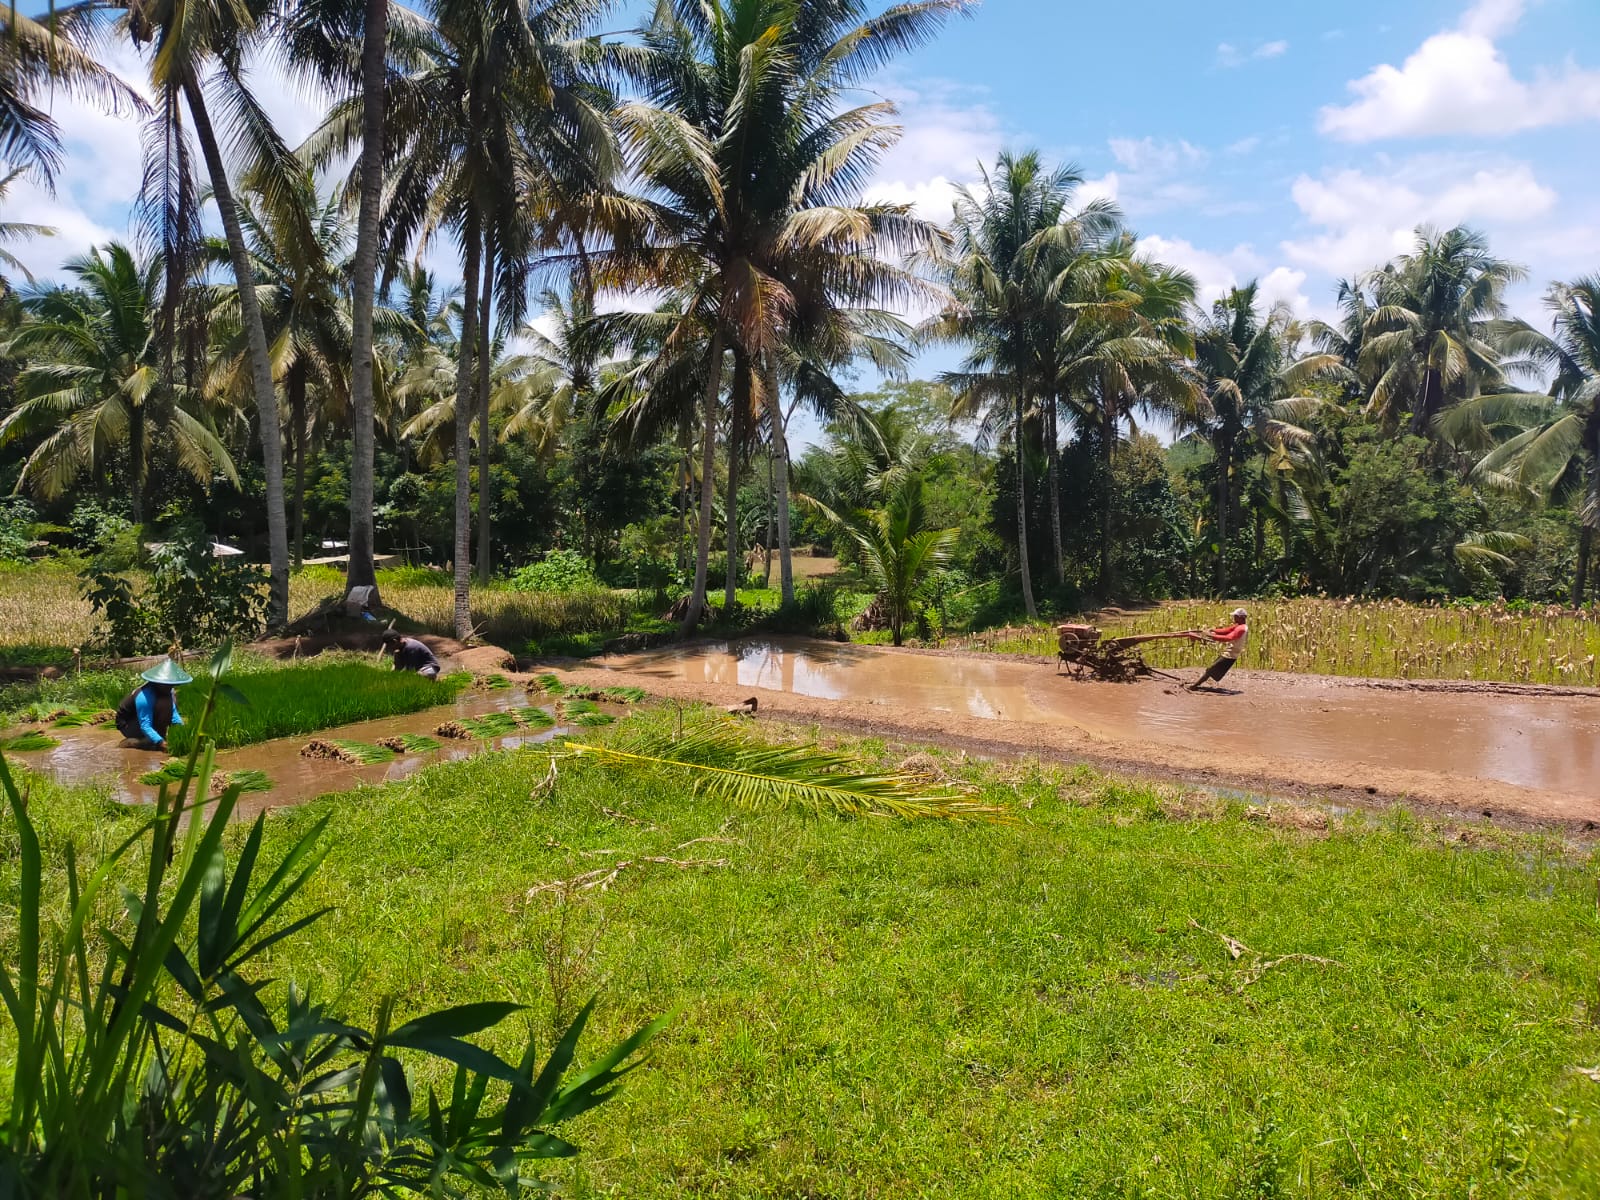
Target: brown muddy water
x=96 y=755
x=1545 y=742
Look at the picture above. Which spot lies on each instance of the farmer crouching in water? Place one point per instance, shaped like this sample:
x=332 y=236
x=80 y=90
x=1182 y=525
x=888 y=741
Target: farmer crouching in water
x=147 y=712
x=1233 y=639
x=411 y=655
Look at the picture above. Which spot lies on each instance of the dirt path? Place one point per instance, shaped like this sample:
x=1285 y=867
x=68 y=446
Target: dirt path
x=1521 y=756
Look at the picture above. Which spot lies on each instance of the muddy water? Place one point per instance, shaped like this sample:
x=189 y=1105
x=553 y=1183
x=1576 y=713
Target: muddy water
x=95 y=755
x=1551 y=743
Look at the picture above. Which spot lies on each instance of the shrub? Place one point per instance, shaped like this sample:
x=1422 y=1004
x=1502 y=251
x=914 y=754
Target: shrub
x=190 y=599
x=558 y=571
x=16 y=528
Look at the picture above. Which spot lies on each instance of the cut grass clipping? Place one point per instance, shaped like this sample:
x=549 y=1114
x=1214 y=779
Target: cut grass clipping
x=313 y=696
x=355 y=754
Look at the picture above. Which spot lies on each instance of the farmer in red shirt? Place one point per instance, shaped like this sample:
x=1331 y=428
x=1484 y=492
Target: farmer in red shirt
x=1233 y=639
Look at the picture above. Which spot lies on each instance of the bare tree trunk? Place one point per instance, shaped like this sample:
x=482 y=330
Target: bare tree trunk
x=485 y=441
x=360 y=570
x=1224 y=502
x=297 y=417
x=473 y=247
x=136 y=469
x=1022 y=518
x=780 y=472
x=708 y=486
x=266 y=396
x=1108 y=446
x=766 y=540
x=1053 y=455
x=740 y=408
x=1581 y=577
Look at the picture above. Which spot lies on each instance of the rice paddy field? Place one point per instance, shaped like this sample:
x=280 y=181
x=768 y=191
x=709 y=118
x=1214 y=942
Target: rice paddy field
x=1125 y=990
x=1384 y=639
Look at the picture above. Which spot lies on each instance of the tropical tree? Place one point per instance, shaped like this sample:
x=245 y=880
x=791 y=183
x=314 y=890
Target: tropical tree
x=1553 y=451
x=297 y=243
x=1438 y=330
x=1240 y=354
x=755 y=164
x=1018 y=245
x=196 y=48
x=16 y=231
x=93 y=388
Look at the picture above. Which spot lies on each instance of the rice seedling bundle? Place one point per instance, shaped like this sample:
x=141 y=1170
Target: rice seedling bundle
x=311 y=696
x=33 y=739
x=534 y=718
x=492 y=683
x=356 y=754
x=409 y=743
x=593 y=718
x=624 y=695
x=491 y=725
x=453 y=729
x=550 y=685
x=79 y=718
x=577 y=707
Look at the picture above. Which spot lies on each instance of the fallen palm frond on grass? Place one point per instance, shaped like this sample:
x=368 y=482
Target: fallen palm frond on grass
x=1262 y=963
x=355 y=754
x=725 y=765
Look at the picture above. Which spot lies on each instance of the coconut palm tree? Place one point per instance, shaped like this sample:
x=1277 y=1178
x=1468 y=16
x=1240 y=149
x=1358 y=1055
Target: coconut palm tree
x=1552 y=451
x=1438 y=332
x=1240 y=355
x=755 y=162
x=93 y=388
x=298 y=242
x=1018 y=244
x=479 y=93
x=16 y=231
x=197 y=53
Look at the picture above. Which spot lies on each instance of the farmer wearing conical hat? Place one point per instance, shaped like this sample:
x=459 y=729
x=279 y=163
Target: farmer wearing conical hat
x=1233 y=639
x=147 y=712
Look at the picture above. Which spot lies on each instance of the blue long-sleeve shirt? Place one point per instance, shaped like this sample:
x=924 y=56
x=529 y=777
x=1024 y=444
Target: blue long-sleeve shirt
x=144 y=709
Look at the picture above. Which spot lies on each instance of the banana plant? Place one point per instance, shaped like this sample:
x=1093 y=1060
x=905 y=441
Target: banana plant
x=157 y=1062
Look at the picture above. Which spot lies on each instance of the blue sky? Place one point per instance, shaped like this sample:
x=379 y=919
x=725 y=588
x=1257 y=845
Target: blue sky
x=1293 y=142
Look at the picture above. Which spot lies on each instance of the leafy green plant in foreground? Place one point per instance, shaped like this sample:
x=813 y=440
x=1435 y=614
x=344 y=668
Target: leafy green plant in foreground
x=152 y=1062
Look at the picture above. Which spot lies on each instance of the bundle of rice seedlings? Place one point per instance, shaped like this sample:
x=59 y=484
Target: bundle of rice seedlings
x=578 y=707
x=550 y=685
x=534 y=718
x=491 y=725
x=170 y=771
x=409 y=743
x=491 y=683
x=356 y=754
x=624 y=695
x=453 y=729
x=33 y=739
x=593 y=718
x=248 y=780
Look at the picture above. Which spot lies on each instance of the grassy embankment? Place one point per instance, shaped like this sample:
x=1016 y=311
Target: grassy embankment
x=874 y=1008
x=1384 y=639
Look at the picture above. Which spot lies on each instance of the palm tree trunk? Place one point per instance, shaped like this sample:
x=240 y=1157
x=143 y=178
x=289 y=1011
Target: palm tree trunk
x=136 y=467
x=297 y=418
x=473 y=247
x=780 y=471
x=1224 y=459
x=485 y=443
x=360 y=570
x=736 y=422
x=1108 y=443
x=1054 y=467
x=708 y=486
x=766 y=541
x=1022 y=518
x=1581 y=577
x=266 y=396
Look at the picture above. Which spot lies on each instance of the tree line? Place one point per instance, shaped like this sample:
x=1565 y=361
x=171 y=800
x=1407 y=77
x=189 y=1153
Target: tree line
x=710 y=169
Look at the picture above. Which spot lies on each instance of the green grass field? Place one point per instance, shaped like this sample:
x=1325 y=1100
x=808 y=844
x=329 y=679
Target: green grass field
x=875 y=1008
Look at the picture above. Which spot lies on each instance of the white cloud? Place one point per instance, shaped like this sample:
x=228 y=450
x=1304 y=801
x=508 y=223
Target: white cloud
x=948 y=134
x=1229 y=55
x=1107 y=187
x=1148 y=155
x=1243 y=146
x=1458 y=82
x=1365 y=218
x=1217 y=273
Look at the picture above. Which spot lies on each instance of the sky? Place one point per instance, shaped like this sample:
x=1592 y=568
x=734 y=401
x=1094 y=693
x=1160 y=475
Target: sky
x=1282 y=140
